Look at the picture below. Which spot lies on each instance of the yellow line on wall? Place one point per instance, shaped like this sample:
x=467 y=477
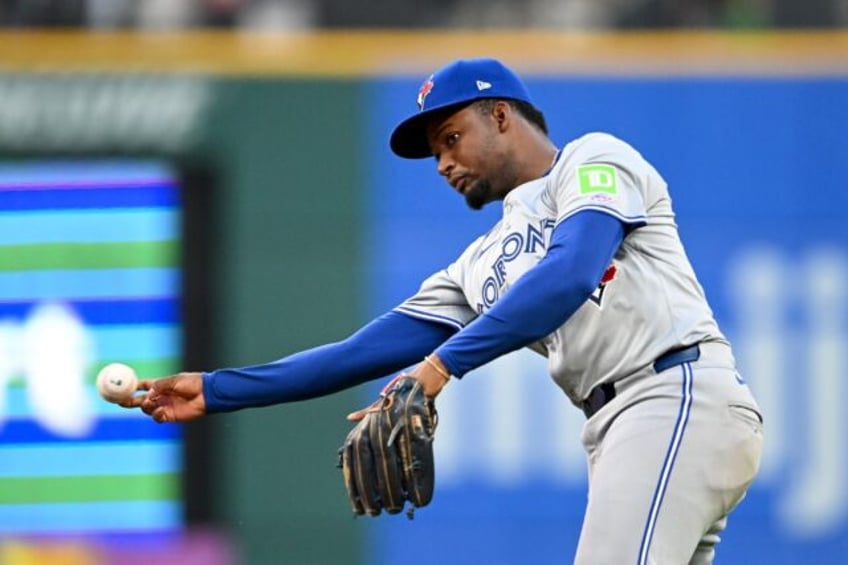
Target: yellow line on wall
x=364 y=52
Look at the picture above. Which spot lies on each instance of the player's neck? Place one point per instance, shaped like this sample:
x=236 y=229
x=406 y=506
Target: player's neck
x=538 y=155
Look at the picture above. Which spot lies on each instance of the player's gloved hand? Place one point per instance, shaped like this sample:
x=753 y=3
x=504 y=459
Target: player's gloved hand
x=178 y=398
x=387 y=459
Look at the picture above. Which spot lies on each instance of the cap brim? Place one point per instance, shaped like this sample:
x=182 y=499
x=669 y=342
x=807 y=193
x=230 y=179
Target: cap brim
x=409 y=139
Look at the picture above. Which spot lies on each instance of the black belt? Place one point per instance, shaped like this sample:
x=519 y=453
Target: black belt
x=604 y=392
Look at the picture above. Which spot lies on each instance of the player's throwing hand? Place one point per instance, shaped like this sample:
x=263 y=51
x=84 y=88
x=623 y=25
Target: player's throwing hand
x=178 y=398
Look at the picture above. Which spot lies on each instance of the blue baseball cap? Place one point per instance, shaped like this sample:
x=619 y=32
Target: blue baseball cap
x=455 y=85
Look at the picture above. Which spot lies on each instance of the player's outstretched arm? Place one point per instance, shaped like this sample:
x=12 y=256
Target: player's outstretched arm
x=178 y=398
x=386 y=345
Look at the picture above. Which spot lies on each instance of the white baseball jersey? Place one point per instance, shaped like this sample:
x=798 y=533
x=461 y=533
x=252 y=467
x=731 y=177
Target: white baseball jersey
x=648 y=301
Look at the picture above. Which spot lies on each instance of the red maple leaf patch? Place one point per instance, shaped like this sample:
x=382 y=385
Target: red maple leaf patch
x=424 y=91
x=609 y=274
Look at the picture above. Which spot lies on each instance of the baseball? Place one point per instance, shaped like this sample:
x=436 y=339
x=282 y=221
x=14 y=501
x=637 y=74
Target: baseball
x=116 y=382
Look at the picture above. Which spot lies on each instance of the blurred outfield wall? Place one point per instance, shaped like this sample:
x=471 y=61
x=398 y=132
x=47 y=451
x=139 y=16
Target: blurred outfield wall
x=317 y=227
x=752 y=169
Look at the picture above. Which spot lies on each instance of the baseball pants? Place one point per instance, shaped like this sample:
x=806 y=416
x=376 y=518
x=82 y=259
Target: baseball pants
x=669 y=458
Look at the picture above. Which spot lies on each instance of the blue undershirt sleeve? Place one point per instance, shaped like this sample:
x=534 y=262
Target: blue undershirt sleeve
x=540 y=301
x=388 y=344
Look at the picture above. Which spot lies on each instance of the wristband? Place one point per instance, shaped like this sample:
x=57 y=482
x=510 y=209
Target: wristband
x=439 y=370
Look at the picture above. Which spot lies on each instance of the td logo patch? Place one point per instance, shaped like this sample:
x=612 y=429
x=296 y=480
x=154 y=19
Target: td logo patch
x=598 y=179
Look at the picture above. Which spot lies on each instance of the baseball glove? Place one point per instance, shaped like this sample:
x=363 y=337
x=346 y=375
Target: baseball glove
x=387 y=459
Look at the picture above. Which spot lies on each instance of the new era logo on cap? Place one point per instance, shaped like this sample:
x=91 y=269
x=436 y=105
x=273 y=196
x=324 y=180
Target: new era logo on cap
x=483 y=85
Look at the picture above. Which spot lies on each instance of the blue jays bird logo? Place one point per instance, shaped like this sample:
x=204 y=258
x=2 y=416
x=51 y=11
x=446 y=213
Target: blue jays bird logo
x=598 y=295
x=424 y=91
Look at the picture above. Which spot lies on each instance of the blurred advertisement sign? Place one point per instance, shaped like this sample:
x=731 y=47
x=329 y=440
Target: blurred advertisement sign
x=81 y=112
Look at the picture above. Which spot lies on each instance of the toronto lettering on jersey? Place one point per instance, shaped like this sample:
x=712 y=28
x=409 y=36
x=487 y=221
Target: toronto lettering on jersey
x=513 y=245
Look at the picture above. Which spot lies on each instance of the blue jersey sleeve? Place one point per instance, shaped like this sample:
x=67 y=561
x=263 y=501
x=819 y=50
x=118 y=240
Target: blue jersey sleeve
x=540 y=301
x=388 y=344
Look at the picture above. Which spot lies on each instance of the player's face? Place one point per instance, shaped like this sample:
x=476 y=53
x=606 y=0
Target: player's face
x=471 y=153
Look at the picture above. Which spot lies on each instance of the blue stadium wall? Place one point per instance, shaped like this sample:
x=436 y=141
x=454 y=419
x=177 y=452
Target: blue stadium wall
x=753 y=169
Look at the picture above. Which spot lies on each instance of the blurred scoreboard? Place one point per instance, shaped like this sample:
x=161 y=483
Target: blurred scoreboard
x=89 y=274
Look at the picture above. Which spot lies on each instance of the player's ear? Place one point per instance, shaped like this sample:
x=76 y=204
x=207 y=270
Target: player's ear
x=502 y=113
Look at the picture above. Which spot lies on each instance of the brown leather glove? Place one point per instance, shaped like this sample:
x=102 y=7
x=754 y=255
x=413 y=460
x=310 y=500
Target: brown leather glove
x=387 y=459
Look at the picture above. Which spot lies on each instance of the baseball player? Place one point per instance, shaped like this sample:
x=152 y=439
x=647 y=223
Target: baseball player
x=586 y=268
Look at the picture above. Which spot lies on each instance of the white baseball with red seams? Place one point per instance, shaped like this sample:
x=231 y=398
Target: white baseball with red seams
x=116 y=382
